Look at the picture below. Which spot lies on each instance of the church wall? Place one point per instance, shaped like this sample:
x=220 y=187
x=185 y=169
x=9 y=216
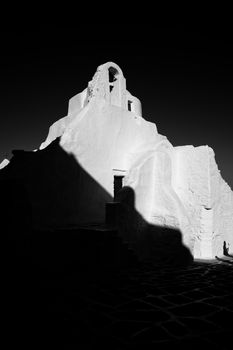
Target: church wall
x=176 y=187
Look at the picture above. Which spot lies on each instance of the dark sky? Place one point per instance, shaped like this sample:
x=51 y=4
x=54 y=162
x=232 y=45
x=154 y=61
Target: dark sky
x=183 y=78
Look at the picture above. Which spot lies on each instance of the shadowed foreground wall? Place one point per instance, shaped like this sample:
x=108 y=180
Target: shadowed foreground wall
x=60 y=192
x=49 y=190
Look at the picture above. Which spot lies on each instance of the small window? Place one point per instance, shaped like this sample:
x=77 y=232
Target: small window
x=130 y=105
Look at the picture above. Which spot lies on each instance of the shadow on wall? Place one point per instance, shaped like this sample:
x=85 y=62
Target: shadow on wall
x=150 y=242
x=49 y=190
x=59 y=192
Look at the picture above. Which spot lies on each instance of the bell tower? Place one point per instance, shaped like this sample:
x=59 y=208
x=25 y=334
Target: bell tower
x=110 y=84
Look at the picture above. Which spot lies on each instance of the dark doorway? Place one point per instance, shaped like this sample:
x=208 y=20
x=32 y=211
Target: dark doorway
x=118 y=184
x=130 y=105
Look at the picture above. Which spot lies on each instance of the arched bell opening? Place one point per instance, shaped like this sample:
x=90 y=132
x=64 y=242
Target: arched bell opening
x=112 y=76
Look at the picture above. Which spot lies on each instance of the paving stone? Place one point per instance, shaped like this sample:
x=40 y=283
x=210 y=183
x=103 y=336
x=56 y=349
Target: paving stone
x=220 y=301
x=194 y=310
x=196 y=294
x=177 y=299
x=175 y=328
x=214 y=291
x=157 y=302
x=198 y=325
x=228 y=289
x=194 y=343
x=223 y=340
x=222 y=318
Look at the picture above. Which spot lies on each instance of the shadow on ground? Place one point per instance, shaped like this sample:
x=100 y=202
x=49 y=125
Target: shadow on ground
x=47 y=200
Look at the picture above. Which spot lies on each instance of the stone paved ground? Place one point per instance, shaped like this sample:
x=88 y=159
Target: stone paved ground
x=151 y=306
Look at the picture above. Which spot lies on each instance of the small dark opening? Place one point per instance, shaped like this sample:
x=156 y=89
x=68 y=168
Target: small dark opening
x=110 y=87
x=130 y=106
x=118 y=184
x=112 y=73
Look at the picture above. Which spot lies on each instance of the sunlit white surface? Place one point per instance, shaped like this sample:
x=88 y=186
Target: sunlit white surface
x=4 y=163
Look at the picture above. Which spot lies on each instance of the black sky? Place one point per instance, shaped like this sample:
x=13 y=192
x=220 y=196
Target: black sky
x=183 y=78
